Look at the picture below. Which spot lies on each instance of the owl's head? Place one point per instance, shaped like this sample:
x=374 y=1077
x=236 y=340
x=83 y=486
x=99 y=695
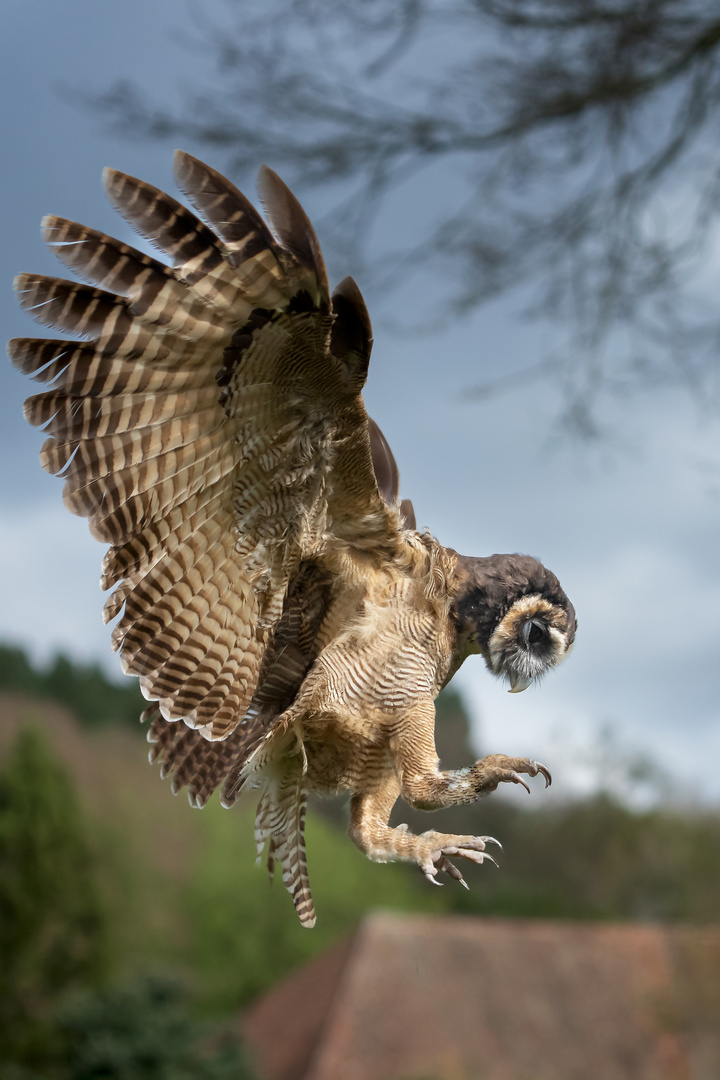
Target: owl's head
x=514 y=612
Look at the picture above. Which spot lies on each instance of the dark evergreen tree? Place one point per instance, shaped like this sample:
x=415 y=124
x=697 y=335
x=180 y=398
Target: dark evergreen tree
x=52 y=927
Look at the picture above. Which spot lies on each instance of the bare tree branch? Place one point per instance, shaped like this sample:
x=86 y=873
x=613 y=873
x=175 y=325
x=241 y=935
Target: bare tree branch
x=587 y=132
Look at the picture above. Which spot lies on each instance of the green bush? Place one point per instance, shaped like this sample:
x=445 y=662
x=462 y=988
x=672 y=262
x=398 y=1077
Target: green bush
x=143 y=1030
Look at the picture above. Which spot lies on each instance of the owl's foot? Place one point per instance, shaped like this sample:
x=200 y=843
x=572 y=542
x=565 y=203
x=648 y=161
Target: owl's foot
x=425 y=787
x=434 y=859
x=499 y=768
x=430 y=851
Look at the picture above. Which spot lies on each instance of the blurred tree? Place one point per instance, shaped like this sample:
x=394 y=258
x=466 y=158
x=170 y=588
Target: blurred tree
x=452 y=730
x=84 y=689
x=596 y=858
x=585 y=132
x=52 y=929
x=144 y=1030
x=16 y=671
x=242 y=934
x=59 y=1019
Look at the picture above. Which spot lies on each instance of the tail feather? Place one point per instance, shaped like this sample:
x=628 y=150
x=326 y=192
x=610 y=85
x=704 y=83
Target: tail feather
x=280 y=822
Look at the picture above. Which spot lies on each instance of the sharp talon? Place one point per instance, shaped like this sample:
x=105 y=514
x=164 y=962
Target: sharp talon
x=449 y=867
x=430 y=873
x=517 y=779
x=464 y=883
x=490 y=840
x=491 y=860
x=545 y=771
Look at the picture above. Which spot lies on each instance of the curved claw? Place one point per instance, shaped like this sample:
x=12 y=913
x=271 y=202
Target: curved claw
x=441 y=863
x=545 y=772
x=430 y=873
x=490 y=840
x=517 y=779
x=478 y=857
x=449 y=868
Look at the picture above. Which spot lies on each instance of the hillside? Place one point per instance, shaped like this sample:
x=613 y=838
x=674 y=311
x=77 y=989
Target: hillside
x=181 y=886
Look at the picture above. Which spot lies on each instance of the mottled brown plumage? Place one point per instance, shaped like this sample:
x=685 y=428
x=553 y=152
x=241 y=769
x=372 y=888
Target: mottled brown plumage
x=289 y=626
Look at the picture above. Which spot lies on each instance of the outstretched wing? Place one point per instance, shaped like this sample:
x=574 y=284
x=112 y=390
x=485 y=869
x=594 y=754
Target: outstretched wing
x=209 y=425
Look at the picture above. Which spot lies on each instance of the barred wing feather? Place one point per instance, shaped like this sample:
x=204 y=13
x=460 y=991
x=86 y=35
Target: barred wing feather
x=209 y=425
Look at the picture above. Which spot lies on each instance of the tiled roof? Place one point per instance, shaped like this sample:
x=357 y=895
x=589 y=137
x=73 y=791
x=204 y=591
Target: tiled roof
x=456 y=998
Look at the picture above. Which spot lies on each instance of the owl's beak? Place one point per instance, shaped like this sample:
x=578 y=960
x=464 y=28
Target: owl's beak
x=518 y=683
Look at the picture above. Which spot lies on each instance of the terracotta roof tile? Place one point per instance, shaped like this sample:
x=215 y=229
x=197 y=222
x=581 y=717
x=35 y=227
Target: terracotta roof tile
x=453 y=998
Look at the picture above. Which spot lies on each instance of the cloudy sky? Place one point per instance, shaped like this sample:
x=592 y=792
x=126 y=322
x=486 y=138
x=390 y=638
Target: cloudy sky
x=630 y=525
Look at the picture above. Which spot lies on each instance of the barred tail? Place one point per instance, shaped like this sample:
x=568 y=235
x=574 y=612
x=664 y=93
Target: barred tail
x=280 y=822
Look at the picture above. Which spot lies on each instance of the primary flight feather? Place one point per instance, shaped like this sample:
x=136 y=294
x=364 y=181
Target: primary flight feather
x=289 y=626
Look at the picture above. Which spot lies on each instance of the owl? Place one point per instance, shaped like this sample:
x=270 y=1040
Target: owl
x=289 y=625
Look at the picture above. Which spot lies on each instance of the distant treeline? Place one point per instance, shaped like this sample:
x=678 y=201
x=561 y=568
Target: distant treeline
x=84 y=689
x=95 y=700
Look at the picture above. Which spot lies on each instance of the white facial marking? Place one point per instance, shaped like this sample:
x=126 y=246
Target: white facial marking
x=509 y=657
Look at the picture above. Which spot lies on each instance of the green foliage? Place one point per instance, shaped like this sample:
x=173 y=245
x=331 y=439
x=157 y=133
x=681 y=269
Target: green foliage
x=51 y=919
x=452 y=730
x=591 y=858
x=181 y=893
x=143 y=1030
x=243 y=932
x=61 y=1017
x=84 y=689
x=595 y=858
x=139 y=1030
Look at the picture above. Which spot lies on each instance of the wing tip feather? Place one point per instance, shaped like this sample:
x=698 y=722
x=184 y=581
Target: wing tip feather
x=15 y=349
x=48 y=223
x=184 y=165
x=113 y=181
x=291 y=224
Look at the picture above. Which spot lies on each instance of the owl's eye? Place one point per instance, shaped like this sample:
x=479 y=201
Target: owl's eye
x=533 y=632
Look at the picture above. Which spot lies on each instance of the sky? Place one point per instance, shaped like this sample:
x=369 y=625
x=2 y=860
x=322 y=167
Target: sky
x=629 y=524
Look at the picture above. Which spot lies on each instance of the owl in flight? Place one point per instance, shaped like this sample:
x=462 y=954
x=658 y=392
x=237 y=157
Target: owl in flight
x=289 y=626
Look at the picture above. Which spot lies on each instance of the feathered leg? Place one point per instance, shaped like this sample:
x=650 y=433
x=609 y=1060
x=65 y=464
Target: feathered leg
x=419 y=780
